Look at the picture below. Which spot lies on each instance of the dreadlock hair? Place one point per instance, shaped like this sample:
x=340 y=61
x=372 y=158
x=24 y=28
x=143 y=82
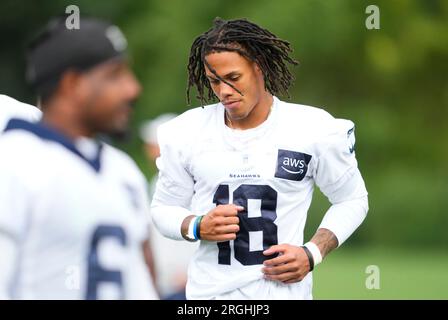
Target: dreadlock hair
x=259 y=45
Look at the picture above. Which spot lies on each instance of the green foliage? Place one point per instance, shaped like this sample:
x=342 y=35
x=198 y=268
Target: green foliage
x=391 y=82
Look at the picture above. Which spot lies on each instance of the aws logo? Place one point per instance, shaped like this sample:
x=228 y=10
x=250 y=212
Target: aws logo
x=292 y=165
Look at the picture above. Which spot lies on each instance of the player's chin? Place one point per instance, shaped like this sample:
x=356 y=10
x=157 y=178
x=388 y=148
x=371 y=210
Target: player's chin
x=239 y=114
x=121 y=134
x=118 y=129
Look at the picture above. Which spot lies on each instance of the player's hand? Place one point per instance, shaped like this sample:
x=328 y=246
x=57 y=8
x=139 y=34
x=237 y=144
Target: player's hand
x=291 y=265
x=221 y=223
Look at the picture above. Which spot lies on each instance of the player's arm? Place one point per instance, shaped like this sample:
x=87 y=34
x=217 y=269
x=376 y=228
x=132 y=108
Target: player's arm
x=325 y=240
x=338 y=177
x=174 y=190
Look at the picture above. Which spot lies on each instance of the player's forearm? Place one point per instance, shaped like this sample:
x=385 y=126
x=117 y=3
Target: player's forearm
x=185 y=225
x=169 y=220
x=345 y=217
x=325 y=240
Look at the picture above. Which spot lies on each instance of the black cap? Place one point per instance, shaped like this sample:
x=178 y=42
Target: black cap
x=58 y=48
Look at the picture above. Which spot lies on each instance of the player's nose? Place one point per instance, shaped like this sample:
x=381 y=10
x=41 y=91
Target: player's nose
x=133 y=87
x=225 y=90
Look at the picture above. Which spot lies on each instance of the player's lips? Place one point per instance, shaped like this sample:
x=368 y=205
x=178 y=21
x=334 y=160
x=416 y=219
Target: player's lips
x=231 y=104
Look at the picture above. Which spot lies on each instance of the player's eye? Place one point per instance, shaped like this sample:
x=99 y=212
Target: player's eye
x=235 y=78
x=214 y=81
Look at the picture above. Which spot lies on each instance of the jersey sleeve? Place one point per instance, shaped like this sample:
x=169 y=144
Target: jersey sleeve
x=175 y=185
x=337 y=175
x=13 y=220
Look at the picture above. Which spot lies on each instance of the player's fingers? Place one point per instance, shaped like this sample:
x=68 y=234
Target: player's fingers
x=224 y=237
x=224 y=221
x=231 y=220
x=232 y=228
x=228 y=210
x=277 y=270
x=278 y=260
x=274 y=249
x=231 y=207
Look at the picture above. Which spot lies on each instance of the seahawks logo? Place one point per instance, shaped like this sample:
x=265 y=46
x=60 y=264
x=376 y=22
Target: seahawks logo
x=351 y=139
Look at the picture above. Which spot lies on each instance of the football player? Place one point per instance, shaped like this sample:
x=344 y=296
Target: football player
x=239 y=175
x=73 y=210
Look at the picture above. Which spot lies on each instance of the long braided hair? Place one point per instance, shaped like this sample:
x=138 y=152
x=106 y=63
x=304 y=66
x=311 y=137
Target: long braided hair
x=255 y=43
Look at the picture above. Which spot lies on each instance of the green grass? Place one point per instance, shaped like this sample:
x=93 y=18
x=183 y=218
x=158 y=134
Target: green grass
x=404 y=274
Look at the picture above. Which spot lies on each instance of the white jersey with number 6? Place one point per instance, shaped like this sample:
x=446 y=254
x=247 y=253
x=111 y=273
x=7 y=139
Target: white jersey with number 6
x=72 y=222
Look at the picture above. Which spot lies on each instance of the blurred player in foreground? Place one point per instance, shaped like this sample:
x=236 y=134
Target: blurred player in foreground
x=239 y=175
x=171 y=269
x=73 y=210
x=11 y=108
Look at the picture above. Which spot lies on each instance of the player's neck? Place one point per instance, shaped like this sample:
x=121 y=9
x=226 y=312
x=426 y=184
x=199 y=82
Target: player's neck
x=63 y=118
x=257 y=116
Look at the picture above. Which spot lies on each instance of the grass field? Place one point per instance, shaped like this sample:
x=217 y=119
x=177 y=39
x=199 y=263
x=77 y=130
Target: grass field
x=404 y=274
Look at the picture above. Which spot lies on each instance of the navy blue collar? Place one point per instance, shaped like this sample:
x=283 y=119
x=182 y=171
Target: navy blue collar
x=47 y=133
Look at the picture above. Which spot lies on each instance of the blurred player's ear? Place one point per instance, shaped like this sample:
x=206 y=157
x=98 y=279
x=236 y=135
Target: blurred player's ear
x=73 y=85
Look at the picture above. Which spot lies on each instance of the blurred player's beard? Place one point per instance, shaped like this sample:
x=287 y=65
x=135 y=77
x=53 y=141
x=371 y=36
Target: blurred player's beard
x=114 y=125
x=120 y=136
x=120 y=131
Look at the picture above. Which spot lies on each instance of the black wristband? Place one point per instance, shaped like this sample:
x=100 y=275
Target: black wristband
x=310 y=257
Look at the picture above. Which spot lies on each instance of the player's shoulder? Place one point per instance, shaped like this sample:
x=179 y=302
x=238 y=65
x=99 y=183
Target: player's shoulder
x=313 y=119
x=18 y=136
x=188 y=124
x=302 y=112
x=120 y=161
x=12 y=108
x=118 y=156
x=22 y=150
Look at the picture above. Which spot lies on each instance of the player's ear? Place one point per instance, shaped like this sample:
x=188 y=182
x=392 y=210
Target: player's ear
x=72 y=85
x=257 y=68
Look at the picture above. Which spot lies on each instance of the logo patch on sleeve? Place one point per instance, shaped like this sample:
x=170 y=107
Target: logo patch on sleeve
x=292 y=165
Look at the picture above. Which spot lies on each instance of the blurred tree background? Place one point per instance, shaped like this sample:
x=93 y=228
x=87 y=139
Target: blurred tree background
x=391 y=82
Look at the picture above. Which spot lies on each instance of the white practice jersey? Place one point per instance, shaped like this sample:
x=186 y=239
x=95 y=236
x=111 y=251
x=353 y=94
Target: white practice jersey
x=11 y=108
x=270 y=170
x=71 y=223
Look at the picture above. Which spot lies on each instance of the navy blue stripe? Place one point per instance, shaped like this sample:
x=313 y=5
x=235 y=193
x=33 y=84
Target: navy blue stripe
x=46 y=133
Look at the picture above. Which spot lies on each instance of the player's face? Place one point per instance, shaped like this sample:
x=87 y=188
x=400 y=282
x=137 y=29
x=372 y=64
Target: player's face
x=112 y=89
x=245 y=76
